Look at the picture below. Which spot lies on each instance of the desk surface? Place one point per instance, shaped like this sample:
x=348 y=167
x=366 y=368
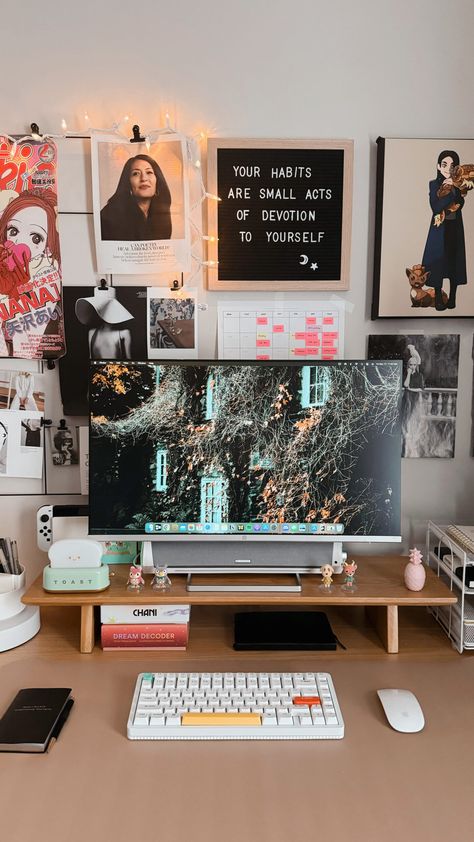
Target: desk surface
x=373 y=784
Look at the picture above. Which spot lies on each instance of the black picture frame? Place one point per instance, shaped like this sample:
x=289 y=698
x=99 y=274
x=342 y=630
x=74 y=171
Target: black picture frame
x=424 y=241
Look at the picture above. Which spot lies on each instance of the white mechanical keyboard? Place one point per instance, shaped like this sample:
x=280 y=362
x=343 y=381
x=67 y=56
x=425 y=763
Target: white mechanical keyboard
x=235 y=706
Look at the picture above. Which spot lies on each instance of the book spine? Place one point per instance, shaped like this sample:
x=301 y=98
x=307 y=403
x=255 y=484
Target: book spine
x=156 y=635
x=144 y=614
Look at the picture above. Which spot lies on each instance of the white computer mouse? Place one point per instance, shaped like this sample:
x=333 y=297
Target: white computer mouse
x=402 y=710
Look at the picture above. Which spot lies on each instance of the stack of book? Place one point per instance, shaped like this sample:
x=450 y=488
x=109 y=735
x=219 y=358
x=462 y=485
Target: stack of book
x=144 y=626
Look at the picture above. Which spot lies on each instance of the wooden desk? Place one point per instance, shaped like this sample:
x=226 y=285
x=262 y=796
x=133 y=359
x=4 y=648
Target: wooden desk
x=380 y=590
x=374 y=784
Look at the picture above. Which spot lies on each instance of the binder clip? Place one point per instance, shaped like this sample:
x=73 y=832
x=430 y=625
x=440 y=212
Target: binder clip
x=137 y=137
x=35 y=132
x=175 y=285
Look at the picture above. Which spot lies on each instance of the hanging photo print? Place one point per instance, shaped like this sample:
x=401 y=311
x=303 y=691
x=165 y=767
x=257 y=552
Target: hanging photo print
x=21 y=428
x=424 y=232
x=64 y=445
x=31 y=318
x=430 y=390
x=102 y=324
x=141 y=205
x=172 y=324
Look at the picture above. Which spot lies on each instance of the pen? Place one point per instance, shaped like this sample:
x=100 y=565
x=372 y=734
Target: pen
x=60 y=723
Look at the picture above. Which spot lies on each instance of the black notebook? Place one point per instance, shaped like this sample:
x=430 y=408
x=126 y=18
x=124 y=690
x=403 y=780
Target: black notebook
x=283 y=630
x=35 y=716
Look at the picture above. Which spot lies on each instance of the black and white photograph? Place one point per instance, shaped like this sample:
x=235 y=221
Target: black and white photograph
x=472 y=407
x=430 y=386
x=101 y=324
x=141 y=205
x=64 y=445
x=21 y=429
x=172 y=324
x=31 y=432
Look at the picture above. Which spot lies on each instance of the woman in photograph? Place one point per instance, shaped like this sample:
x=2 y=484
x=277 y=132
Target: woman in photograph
x=140 y=207
x=29 y=240
x=445 y=253
x=64 y=452
x=24 y=385
x=109 y=336
x=414 y=378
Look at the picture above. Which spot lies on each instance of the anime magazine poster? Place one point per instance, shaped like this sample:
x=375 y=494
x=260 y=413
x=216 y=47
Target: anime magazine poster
x=31 y=317
x=141 y=205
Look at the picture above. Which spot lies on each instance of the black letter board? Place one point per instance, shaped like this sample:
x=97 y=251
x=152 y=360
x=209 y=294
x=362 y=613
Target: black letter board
x=284 y=219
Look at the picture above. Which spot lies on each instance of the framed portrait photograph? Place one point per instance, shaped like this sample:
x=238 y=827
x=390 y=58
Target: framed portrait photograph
x=424 y=232
x=284 y=217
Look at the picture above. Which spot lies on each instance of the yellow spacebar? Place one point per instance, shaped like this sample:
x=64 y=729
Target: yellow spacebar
x=221 y=719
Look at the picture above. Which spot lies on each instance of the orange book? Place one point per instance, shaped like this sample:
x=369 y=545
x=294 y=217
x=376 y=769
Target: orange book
x=141 y=636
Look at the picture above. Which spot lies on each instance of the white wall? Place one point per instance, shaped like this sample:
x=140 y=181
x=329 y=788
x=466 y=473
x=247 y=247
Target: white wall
x=309 y=68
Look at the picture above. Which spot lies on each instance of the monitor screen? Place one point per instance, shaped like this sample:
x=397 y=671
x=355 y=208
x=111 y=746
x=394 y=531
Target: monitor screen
x=229 y=449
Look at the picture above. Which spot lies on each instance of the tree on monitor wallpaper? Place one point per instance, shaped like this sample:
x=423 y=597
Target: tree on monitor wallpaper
x=245 y=442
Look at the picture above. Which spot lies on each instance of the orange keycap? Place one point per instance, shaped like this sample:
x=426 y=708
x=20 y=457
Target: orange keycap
x=221 y=719
x=306 y=700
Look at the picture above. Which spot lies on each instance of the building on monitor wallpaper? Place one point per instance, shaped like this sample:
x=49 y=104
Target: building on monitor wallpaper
x=272 y=443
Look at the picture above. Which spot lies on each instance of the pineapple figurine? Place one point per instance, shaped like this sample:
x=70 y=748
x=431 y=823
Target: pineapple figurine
x=415 y=573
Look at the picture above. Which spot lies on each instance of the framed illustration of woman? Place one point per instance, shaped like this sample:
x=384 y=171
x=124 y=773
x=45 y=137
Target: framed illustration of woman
x=424 y=245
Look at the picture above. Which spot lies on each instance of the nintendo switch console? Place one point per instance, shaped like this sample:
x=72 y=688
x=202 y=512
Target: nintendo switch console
x=60 y=523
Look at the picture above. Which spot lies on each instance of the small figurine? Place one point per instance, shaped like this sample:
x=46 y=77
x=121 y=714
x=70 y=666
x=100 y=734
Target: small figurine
x=135 y=580
x=326 y=572
x=350 y=568
x=161 y=581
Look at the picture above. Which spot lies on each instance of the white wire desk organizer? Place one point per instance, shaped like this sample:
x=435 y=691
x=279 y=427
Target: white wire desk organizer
x=445 y=556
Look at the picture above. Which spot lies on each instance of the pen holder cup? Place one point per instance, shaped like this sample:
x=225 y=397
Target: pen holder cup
x=12 y=589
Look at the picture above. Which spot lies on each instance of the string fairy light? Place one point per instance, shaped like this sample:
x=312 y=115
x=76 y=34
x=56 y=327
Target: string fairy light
x=151 y=137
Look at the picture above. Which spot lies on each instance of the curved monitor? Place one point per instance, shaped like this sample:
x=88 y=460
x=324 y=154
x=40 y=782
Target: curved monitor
x=255 y=451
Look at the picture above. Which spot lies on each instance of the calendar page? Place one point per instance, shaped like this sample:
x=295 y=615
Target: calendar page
x=313 y=329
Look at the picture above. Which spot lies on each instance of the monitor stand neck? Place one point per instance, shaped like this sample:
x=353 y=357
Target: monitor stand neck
x=146 y=557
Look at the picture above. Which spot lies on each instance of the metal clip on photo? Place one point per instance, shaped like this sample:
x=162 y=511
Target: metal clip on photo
x=137 y=137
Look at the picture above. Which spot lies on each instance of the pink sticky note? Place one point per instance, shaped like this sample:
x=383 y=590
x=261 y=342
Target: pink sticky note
x=327 y=356
x=300 y=335
x=312 y=339
x=328 y=320
x=299 y=352
x=263 y=343
x=278 y=328
x=310 y=320
x=262 y=320
x=262 y=357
